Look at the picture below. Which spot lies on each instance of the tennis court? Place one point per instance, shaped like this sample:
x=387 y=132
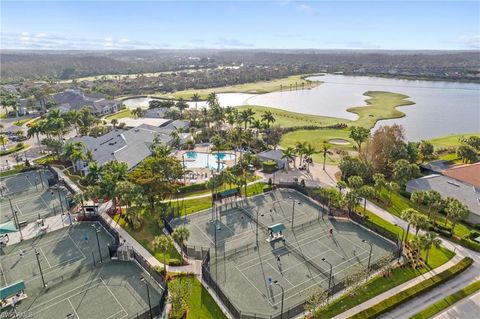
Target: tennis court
x=243 y=265
x=77 y=284
x=29 y=195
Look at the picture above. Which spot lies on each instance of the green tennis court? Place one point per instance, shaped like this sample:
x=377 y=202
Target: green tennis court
x=300 y=262
x=78 y=286
x=29 y=196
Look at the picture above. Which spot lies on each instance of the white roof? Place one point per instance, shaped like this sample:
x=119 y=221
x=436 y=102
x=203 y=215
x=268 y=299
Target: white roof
x=130 y=122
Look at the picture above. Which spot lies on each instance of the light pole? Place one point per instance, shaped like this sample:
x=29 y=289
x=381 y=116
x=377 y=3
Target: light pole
x=15 y=219
x=370 y=255
x=329 y=277
x=98 y=243
x=283 y=294
x=39 y=267
x=142 y=279
x=293 y=209
x=256 y=233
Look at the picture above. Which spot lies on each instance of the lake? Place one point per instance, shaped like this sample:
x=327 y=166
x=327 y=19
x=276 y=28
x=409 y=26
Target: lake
x=225 y=99
x=441 y=108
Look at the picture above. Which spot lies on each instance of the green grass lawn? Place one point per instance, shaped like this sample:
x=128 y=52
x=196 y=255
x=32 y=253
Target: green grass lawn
x=120 y=115
x=285 y=118
x=447 y=301
x=379 y=284
x=145 y=236
x=200 y=302
x=380 y=105
x=189 y=206
x=316 y=139
x=255 y=87
x=450 y=140
x=22 y=121
x=399 y=203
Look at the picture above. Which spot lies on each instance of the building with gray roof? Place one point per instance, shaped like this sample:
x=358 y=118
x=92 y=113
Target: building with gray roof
x=273 y=155
x=446 y=186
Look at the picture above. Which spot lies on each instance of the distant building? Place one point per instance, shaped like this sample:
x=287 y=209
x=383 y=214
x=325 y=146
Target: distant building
x=72 y=99
x=466 y=193
x=469 y=173
x=155 y=113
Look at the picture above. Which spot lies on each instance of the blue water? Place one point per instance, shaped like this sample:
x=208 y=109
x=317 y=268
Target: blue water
x=205 y=160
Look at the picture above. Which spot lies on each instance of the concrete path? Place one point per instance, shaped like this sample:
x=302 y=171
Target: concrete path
x=417 y=304
x=465 y=308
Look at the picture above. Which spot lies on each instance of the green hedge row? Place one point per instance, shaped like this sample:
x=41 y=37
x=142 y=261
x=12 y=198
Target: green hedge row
x=420 y=288
x=469 y=244
x=447 y=301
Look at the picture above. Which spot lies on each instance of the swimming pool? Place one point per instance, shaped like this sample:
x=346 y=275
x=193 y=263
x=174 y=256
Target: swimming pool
x=194 y=159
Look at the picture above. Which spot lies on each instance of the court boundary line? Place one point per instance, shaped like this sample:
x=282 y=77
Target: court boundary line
x=46 y=259
x=248 y=279
x=3 y=275
x=74 y=310
x=113 y=295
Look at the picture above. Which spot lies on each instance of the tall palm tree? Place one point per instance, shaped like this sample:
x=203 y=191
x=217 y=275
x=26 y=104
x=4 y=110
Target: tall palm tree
x=196 y=98
x=456 y=211
x=212 y=99
x=257 y=125
x=309 y=150
x=268 y=117
x=164 y=244
x=246 y=117
x=430 y=240
x=420 y=222
x=407 y=215
x=417 y=244
x=75 y=119
x=93 y=174
x=300 y=149
x=181 y=105
x=114 y=123
x=325 y=148
x=35 y=129
x=289 y=154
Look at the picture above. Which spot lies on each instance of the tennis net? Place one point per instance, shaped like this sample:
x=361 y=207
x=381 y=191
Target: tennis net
x=250 y=215
x=300 y=255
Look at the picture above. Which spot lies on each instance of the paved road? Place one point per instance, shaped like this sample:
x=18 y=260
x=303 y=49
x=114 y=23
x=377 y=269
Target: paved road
x=413 y=306
x=467 y=308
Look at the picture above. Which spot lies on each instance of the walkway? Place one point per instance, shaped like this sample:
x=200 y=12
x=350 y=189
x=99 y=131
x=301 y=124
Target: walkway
x=410 y=308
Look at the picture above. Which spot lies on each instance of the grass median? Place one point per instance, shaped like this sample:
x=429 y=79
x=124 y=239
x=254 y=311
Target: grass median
x=447 y=301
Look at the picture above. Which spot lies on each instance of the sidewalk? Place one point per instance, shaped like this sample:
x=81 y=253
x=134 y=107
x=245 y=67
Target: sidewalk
x=424 y=300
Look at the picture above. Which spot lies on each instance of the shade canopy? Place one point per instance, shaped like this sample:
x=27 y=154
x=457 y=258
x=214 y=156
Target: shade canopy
x=8 y=227
x=276 y=228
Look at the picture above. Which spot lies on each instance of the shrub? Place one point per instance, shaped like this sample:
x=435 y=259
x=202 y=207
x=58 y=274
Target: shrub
x=469 y=244
x=269 y=166
x=192 y=188
x=412 y=292
x=477 y=226
x=473 y=234
x=175 y=262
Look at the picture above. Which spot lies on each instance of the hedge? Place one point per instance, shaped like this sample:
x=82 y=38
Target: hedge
x=192 y=188
x=412 y=292
x=447 y=301
x=269 y=166
x=469 y=244
x=20 y=146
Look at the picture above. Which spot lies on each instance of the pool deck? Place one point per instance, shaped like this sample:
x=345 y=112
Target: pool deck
x=202 y=174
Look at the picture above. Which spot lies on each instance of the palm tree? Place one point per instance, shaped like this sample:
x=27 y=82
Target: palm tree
x=257 y=125
x=93 y=174
x=164 y=244
x=289 y=154
x=212 y=99
x=34 y=129
x=114 y=123
x=75 y=119
x=196 y=98
x=268 y=117
x=325 y=148
x=366 y=191
x=407 y=215
x=3 y=141
x=417 y=244
x=430 y=239
x=181 y=235
x=420 y=221
x=299 y=149
x=309 y=150
x=456 y=211
x=175 y=138
x=181 y=105
x=74 y=152
x=246 y=117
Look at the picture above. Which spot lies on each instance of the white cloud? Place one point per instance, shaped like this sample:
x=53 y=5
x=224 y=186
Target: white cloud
x=308 y=10
x=40 y=40
x=471 y=41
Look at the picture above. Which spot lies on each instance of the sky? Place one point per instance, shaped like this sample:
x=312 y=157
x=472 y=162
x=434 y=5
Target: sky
x=96 y=25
